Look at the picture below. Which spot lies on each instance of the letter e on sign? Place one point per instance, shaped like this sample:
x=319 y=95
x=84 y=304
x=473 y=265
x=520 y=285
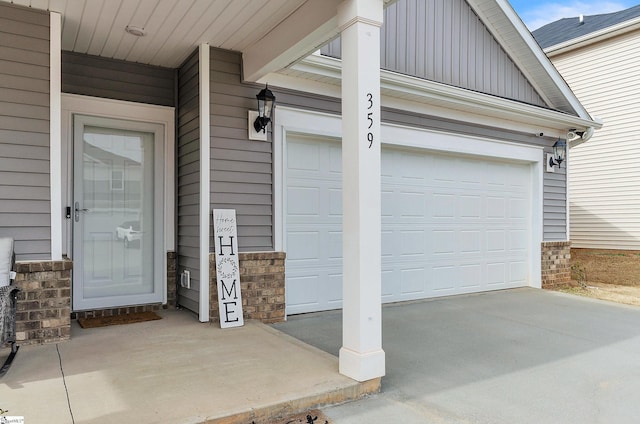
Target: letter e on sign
x=225 y=235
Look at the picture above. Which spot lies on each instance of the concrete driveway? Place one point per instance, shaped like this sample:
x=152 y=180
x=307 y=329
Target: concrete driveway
x=517 y=356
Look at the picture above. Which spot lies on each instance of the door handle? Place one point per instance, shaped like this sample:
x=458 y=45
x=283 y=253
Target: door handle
x=77 y=210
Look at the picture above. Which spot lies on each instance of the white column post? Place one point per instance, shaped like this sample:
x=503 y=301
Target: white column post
x=361 y=355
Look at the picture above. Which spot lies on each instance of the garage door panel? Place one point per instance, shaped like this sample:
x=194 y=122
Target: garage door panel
x=469 y=273
x=470 y=241
x=444 y=174
x=412 y=280
x=497 y=175
x=314 y=289
x=496 y=274
x=413 y=204
x=414 y=169
x=322 y=244
x=469 y=172
x=444 y=279
x=334 y=206
x=519 y=179
x=413 y=242
x=444 y=205
x=470 y=207
x=303 y=291
x=334 y=289
x=387 y=166
x=335 y=245
x=304 y=246
x=496 y=241
x=388 y=207
x=390 y=283
x=518 y=241
x=518 y=208
x=335 y=159
x=496 y=208
x=519 y=271
x=304 y=201
x=450 y=224
x=304 y=157
x=388 y=243
x=444 y=242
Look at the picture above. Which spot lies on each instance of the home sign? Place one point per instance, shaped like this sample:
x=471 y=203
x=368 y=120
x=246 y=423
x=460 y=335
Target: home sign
x=225 y=233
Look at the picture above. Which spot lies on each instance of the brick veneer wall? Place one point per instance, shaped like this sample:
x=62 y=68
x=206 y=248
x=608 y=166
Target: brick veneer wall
x=44 y=301
x=171 y=280
x=556 y=267
x=261 y=285
x=43 y=309
x=109 y=312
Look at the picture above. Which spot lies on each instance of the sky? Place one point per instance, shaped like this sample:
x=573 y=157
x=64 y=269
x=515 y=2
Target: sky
x=536 y=13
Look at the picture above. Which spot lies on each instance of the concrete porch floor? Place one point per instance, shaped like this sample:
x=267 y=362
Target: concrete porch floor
x=173 y=370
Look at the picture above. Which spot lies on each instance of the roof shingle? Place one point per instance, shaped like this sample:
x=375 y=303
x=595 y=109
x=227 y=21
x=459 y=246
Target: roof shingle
x=569 y=28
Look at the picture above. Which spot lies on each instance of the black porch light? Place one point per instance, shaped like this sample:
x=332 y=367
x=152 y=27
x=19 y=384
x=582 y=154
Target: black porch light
x=559 y=153
x=266 y=103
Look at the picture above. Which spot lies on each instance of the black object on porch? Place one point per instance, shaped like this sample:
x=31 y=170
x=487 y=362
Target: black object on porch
x=8 y=298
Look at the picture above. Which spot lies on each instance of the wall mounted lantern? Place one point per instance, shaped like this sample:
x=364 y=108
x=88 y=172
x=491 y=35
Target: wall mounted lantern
x=558 y=156
x=266 y=103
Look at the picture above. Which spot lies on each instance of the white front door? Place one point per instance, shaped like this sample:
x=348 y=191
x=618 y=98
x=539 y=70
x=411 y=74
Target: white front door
x=117 y=213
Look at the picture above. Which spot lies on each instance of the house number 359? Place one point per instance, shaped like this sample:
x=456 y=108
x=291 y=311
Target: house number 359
x=370 y=119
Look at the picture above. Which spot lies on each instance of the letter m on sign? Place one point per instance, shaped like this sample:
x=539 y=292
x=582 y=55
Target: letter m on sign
x=227 y=268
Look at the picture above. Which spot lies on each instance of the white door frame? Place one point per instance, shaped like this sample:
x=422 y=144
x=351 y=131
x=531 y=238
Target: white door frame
x=73 y=104
x=290 y=120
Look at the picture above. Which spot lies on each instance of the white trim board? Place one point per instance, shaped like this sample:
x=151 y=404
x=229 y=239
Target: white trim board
x=303 y=122
x=55 y=133
x=205 y=172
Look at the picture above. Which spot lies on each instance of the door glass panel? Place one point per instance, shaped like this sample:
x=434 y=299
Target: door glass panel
x=115 y=215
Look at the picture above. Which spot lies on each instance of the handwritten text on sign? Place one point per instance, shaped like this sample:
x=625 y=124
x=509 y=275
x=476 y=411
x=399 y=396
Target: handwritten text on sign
x=225 y=233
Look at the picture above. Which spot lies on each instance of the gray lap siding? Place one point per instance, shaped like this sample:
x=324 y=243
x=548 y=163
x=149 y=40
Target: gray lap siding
x=25 y=209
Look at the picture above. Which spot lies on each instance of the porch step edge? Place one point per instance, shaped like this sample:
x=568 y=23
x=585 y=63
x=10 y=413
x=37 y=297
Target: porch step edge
x=336 y=396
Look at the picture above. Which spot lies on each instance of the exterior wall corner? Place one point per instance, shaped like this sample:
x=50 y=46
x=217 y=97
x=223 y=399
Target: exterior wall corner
x=556 y=266
x=262 y=284
x=43 y=309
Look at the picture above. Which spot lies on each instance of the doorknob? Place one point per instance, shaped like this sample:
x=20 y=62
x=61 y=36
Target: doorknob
x=76 y=215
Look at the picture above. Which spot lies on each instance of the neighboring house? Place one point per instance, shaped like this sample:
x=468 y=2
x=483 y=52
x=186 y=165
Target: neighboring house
x=598 y=57
x=432 y=170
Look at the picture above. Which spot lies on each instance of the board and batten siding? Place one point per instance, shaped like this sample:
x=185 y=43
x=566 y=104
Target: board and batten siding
x=188 y=182
x=445 y=41
x=117 y=79
x=25 y=208
x=604 y=173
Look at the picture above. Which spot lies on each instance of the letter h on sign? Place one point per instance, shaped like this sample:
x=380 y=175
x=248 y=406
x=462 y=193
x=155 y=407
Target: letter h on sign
x=229 y=245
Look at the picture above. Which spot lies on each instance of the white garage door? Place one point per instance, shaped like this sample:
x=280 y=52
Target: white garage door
x=450 y=225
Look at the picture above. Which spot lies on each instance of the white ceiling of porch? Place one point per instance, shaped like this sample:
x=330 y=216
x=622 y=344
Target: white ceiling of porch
x=173 y=27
